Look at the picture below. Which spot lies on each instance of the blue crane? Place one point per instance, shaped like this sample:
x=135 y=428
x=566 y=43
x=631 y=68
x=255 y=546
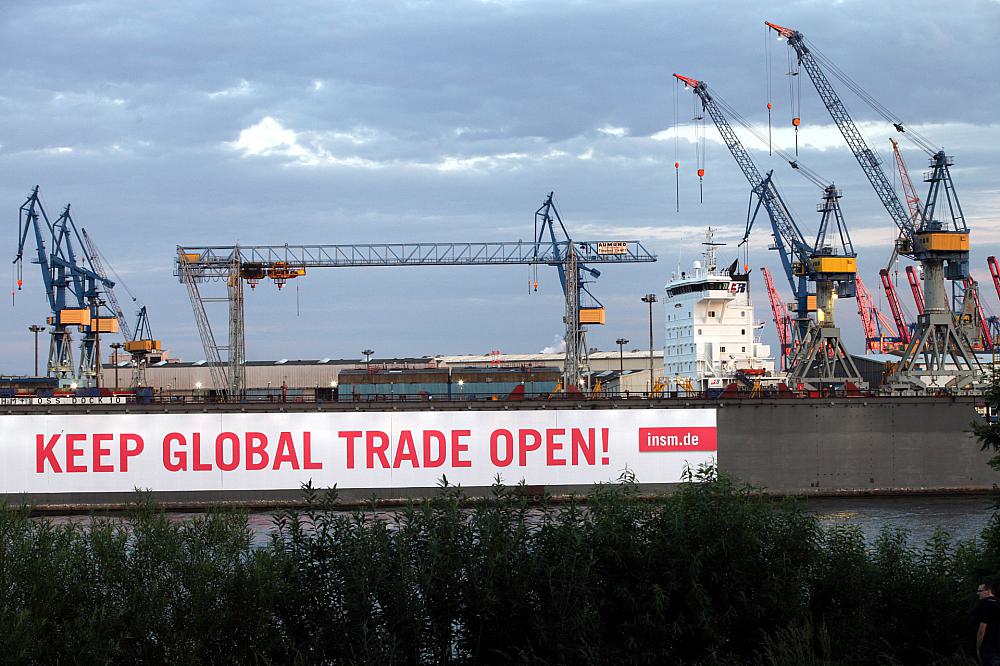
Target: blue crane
x=72 y=287
x=582 y=307
x=829 y=262
x=238 y=264
x=941 y=247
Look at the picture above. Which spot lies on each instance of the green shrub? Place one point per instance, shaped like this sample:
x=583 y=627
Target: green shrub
x=714 y=573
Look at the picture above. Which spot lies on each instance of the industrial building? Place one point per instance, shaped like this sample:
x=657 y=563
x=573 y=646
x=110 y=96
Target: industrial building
x=325 y=373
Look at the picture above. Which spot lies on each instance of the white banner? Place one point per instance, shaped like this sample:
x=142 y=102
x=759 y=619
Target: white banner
x=180 y=452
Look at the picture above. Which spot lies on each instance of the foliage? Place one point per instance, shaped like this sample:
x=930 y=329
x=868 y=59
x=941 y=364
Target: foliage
x=713 y=573
x=988 y=431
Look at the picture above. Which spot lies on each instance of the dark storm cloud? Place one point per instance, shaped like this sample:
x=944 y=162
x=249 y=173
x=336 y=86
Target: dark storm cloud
x=193 y=122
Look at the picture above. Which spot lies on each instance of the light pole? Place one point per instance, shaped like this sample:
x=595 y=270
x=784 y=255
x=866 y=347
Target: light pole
x=116 y=346
x=36 y=329
x=650 y=298
x=368 y=358
x=621 y=342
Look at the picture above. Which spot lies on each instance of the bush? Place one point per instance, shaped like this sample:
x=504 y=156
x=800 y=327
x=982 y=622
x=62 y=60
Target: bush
x=713 y=573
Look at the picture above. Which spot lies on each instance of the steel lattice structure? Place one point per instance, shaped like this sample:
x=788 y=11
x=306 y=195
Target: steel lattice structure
x=235 y=264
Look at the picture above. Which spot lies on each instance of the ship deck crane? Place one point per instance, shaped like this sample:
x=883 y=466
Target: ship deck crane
x=941 y=247
x=821 y=358
x=73 y=289
x=238 y=264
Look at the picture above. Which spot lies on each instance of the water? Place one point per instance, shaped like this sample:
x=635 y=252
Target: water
x=962 y=516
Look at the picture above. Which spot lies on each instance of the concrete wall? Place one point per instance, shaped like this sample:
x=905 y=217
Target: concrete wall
x=870 y=445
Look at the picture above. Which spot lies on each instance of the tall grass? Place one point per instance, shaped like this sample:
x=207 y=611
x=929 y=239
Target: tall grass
x=715 y=573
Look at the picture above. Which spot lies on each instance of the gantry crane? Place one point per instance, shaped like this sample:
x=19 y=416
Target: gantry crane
x=238 y=264
x=941 y=247
x=73 y=288
x=830 y=262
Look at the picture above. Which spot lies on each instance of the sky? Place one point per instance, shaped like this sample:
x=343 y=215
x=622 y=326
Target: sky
x=189 y=123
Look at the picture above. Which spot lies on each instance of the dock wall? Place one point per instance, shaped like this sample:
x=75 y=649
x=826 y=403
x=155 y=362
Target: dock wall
x=801 y=447
x=854 y=446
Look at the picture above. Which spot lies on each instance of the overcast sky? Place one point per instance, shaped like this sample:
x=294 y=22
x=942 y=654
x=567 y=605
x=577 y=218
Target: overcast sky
x=195 y=123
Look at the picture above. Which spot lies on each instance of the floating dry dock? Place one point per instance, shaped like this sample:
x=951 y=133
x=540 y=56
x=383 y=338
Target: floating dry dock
x=92 y=456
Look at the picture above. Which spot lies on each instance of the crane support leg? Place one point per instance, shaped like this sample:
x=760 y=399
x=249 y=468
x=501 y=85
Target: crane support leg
x=212 y=356
x=61 y=355
x=939 y=355
x=822 y=360
x=236 y=374
x=575 y=362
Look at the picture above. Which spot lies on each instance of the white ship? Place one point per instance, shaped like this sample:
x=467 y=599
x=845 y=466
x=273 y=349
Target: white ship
x=711 y=338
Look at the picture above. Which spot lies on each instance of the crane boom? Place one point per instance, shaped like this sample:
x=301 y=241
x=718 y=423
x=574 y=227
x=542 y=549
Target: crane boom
x=95 y=257
x=909 y=192
x=995 y=272
x=866 y=156
x=894 y=306
x=791 y=244
x=918 y=294
x=822 y=357
x=942 y=248
x=782 y=322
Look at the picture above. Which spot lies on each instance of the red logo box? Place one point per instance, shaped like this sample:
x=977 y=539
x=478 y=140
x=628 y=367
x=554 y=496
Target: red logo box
x=676 y=439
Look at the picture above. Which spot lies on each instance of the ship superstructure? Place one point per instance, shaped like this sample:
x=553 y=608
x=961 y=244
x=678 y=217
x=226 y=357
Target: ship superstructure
x=711 y=338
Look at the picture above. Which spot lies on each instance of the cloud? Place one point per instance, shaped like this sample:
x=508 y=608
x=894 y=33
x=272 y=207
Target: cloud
x=391 y=121
x=617 y=132
x=242 y=89
x=270 y=138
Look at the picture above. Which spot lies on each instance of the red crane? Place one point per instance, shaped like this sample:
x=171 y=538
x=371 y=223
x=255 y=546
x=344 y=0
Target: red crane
x=995 y=272
x=918 y=293
x=910 y=193
x=897 y=310
x=874 y=322
x=984 y=325
x=782 y=321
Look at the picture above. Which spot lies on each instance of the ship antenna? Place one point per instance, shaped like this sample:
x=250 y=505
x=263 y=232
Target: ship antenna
x=709 y=254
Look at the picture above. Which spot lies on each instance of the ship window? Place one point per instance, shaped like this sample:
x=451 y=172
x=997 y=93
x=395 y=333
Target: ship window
x=699 y=331
x=711 y=313
x=744 y=349
x=743 y=331
x=743 y=313
x=722 y=349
